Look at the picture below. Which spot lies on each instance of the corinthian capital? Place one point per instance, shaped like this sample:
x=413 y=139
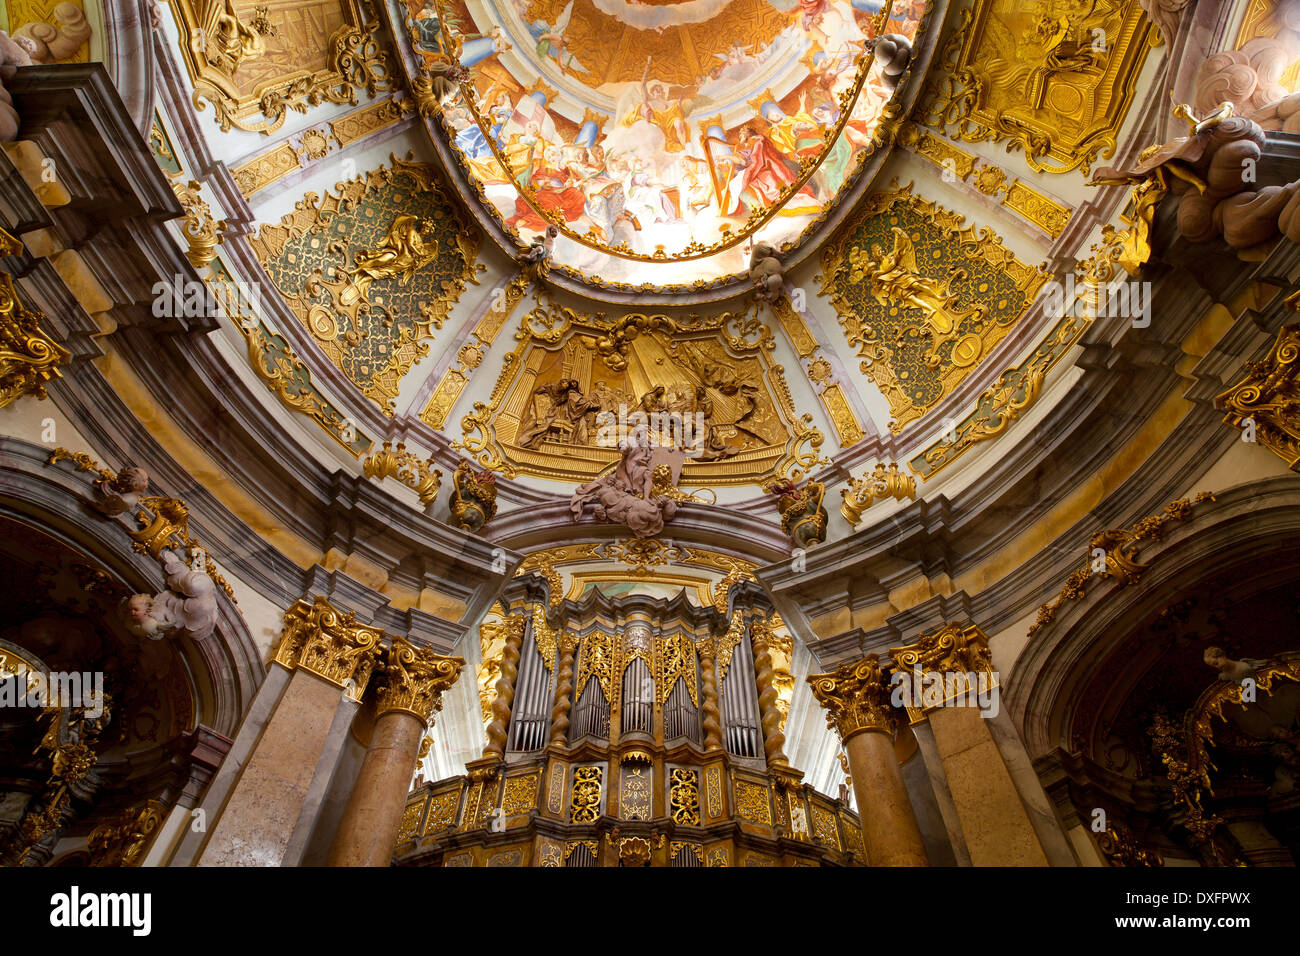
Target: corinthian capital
x=856 y=697
x=953 y=648
x=413 y=679
x=333 y=646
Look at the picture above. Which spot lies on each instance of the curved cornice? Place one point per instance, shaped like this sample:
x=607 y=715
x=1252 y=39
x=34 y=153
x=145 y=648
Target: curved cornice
x=56 y=499
x=1239 y=532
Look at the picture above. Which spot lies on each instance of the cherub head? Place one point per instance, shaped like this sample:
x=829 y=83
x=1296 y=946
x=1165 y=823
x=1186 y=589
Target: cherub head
x=130 y=480
x=1215 y=657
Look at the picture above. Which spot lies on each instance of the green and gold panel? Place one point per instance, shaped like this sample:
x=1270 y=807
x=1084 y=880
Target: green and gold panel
x=922 y=297
x=373 y=269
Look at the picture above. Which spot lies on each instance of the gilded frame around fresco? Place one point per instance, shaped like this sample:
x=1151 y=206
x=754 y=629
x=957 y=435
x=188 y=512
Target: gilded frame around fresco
x=548 y=328
x=1084 y=65
x=356 y=57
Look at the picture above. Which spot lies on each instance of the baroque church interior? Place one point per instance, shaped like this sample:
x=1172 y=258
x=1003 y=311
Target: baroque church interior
x=680 y=433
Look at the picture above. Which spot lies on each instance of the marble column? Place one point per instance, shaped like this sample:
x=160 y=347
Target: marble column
x=768 y=713
x=329 y=658
x=410 y=691
x=949 y=672
x=857 y=699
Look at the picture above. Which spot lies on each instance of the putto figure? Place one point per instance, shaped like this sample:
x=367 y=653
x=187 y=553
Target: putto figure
x=122 y=493
x=187 y=608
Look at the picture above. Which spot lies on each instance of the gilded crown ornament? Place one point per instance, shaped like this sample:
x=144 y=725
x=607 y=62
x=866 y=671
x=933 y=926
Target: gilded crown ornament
x=474 y=500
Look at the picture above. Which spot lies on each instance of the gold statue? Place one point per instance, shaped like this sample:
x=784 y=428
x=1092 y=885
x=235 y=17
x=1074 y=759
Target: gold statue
x=894 y=279
x=408 y=247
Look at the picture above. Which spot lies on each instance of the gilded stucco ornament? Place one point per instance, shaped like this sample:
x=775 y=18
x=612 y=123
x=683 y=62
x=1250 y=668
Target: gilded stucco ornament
x=1112 y=553
x=1033 y=76
x=203 y=232
x=29 y=357
x=474 y=498
x=922 y=296
x=883 y=482
x=373 y=269
x=556 y=410
x=856 y=697
x=803 y=515
x=255 y=69
x=125 y=839
x=1266 y=401
x=420 y=476
x=331 y=645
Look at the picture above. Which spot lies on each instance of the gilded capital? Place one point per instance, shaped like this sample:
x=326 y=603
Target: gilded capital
x=856 y=697
x=413 y=678
x=333 y=646
x=952 y=648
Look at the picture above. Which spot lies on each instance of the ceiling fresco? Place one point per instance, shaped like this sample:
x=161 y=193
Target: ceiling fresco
x=662 y=140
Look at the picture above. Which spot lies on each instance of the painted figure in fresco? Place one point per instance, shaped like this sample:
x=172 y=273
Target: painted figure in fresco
x=550 y=40
x=475 y=50
x=428 y=29
x=761 y=175
x=661 y=110
x=893 y=279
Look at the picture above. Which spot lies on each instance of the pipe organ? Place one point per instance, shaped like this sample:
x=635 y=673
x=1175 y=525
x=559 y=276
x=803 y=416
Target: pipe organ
x=634 y=739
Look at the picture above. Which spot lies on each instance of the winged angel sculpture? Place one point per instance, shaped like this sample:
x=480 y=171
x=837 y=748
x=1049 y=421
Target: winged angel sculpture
x=893 y=279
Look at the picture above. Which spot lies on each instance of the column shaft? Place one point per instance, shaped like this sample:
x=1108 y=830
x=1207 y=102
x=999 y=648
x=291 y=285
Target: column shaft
x=368 y=831
x=889 y=831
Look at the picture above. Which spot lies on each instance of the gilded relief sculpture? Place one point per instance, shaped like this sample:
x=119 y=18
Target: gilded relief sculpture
x=228 y=40
x=893 y=279
x=474 y=500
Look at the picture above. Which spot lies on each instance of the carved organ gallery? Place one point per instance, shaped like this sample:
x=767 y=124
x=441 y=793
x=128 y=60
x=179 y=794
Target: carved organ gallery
x=555 y=433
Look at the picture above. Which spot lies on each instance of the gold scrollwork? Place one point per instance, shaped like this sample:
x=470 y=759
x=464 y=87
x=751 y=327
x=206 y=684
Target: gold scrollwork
x=29 y=358
x=1115 y=550
x=1267 y=399
x=684 y=797
x=881 y=483
x=420 y=476
x=584 y=804
x=218 y=47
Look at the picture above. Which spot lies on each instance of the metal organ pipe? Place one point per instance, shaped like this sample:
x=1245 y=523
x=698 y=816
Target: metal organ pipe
x=532 y=702
x=740 y=703
x=638 y=698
